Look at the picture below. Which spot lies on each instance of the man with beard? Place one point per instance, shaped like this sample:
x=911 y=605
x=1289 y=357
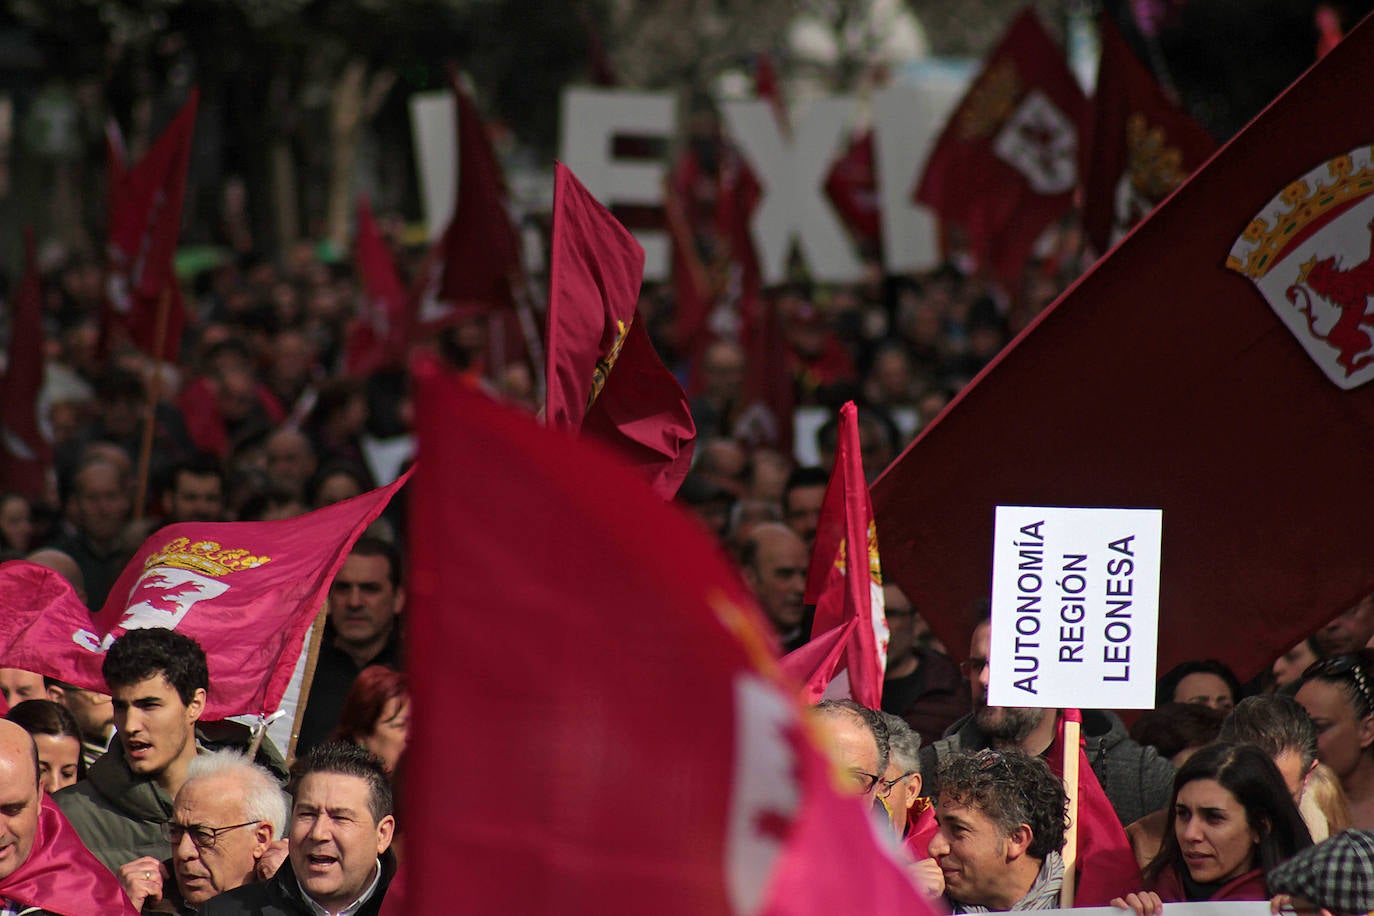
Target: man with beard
x=1135 y=778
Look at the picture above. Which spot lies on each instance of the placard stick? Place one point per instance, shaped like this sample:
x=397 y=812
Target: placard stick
x=312 y=656
x=1070 y=750
x=145 y=450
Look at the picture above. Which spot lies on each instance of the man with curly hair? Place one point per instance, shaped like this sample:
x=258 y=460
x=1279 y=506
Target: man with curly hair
x=1002 y=817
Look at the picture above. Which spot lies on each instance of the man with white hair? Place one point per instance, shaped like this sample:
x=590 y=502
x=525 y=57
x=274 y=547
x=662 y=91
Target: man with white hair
x=226 y=831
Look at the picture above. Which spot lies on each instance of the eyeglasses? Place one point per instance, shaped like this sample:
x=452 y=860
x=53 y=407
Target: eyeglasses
x=1344 y=666
x=885 y=786
x=863 y=781
x=203 y=837
x=972 y=668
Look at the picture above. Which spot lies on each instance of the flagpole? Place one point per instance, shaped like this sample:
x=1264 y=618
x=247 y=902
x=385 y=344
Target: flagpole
x=312 y=656
x=145 y=451
x=523 y=293
x=1071 y=755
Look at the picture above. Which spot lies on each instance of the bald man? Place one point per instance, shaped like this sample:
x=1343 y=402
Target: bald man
x=62 y=564
x=774 y=560
x=42 y=861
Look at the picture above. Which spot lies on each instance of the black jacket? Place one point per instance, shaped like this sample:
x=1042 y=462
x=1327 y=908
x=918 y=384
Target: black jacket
x=281 y=895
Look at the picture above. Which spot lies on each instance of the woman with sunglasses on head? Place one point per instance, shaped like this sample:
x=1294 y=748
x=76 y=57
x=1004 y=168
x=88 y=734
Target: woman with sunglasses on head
x=1231 y=820
x=1338 y=693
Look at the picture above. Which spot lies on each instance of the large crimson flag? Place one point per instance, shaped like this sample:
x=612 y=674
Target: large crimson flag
x=246 y=591
x=1106 y=864
x=1213 y=365
x=144 y=221
x=651 y=663
x=1006 y=165
x=24 y=453
x=1141 y=147
x=480 y=249
x=603 y=374
x=378 y=337
x=61 y=876
x=841 y=587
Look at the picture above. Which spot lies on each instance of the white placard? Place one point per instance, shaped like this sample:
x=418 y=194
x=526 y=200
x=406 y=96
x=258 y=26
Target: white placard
x=1075 y=607
x=1228 y=908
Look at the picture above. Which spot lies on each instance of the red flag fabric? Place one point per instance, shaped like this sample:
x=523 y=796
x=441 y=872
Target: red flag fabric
x=1106 y=864
x=632 y=601
x=816 y=663
x=841 y=588
x=1006 y=165
x=1142 y=145
x=692 y=296
x=61 y=876
x=144 y=224
x=24 y=453
x=603 y=375
x=481 y=249
x=852 y=187
x=246 y=591
x=1181 y=373
x=378 y=336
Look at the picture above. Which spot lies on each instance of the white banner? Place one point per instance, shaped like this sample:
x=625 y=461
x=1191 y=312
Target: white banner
x=1075 y=607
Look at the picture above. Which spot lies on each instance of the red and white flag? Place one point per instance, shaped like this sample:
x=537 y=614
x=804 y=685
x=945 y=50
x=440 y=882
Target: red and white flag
x=61 y=876
x=1142 y=145
x=1006 y=165
x=246 y=591
x=144 y=224
x=378 y=336
x=844 y=584
x=822 y=664
x=603 y=375
x=635 y=610
x=24 y=454
x=1216 y=365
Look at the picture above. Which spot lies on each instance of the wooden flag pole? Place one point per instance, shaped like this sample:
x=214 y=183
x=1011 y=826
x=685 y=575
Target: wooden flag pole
x=312 y=649
x=1070 y=749
x=145 y=450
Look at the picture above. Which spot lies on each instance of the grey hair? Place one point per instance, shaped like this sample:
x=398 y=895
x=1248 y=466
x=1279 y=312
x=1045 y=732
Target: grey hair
x=903 y=743
x=869 y=718
x=263 y=798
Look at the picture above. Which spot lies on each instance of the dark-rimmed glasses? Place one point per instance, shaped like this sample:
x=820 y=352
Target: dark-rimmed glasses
x=1339 y=666
x=885 y=786
x=864 y=782
x=203 y=837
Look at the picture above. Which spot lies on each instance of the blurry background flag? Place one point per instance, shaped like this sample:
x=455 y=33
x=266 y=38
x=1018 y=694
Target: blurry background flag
x=24 y=453
x=377 y=337
x=603 y=374
x=1176 y=374
x=1006 y=165
x=1141 y=144
x=652 y=669
x=845 y=581
x=144 y=222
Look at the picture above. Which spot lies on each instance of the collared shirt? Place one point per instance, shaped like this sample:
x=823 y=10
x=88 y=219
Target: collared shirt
x=353 y=907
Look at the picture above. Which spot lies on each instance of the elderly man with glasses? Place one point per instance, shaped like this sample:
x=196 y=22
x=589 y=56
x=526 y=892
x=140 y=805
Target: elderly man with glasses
x=226 y=828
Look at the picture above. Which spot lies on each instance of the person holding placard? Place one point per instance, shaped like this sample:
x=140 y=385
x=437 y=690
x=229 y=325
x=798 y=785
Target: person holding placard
x=1232 y=819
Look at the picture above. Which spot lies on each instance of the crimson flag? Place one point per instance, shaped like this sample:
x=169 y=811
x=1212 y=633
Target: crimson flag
x=1142 y=145
x=816 y=663
x=603 y=374
x=1106 y=863
x=61 y=876
x=480 y=248
x=692 y=294
x=634 y=604
x=24 y=453
x=840 y=587
x=1214 y=365
x=378 y=337
x=852 y=187
x=144 y=222
x=1006 y=165
x=246 y=591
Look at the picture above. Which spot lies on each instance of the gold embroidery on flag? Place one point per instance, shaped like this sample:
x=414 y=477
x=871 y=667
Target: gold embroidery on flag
x=1155 y=168
x=991 y=101
x=605 y=363
x=204 y=557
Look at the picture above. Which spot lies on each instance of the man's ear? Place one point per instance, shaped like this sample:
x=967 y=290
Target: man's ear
x=913 y=790
x=386 y=828
x=262 y=838
x=57 y=695
x=196 y=707
x=399 y=600
x=1019 y=841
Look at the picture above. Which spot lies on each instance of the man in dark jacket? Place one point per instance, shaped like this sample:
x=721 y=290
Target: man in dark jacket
x=339 y=857
x=1135 y=779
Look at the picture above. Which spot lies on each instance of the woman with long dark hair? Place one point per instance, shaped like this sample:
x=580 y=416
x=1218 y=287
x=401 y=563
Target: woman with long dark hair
x=1230 y=821
x=58 y=739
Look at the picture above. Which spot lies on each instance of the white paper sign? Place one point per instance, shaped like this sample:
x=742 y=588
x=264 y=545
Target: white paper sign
x=1228 y=908
x=1075 y=607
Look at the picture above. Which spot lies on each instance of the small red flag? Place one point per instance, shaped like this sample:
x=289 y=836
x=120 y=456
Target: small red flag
x=852 y=187
x=377 y=338
x=521 y=522
x=846 y=583
x=1106 y=862
x=144 y=224
x=61 y=876
x=1215 y=365
x=24 y=453
x=1142 y=147
x=603 y=374
x=816 y=664
x=1006 y=165
x=246 y=591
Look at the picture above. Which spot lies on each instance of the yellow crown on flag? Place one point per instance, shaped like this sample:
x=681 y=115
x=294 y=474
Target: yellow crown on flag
x=204 y=557
x=1155 y=167
x=991 y=101
x=1329 y=187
